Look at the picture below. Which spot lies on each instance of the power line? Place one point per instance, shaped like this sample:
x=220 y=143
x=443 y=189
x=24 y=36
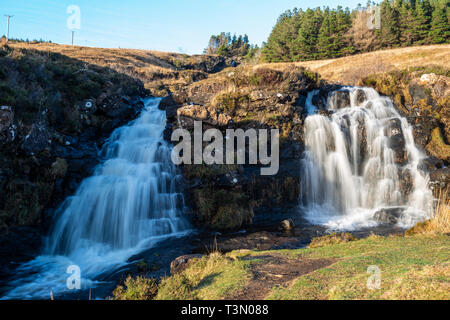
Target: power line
x=7 y=27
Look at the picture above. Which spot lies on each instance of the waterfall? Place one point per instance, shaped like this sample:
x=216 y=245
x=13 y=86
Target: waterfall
x=360 y=155
x=132 y=201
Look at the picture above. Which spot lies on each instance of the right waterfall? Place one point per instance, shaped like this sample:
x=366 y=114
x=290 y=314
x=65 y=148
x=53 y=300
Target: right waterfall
x=360 y=163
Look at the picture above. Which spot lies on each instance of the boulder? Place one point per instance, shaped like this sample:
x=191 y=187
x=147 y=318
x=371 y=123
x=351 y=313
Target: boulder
x=122 y=107
x=388 y=215
x=287 y=225
x=181 y=263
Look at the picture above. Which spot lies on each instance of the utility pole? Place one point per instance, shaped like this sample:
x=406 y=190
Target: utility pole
x=73 y=34
x=7 y=27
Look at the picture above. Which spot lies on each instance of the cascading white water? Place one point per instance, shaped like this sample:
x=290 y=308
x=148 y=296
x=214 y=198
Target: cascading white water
x=349 y=170
x=131 y=202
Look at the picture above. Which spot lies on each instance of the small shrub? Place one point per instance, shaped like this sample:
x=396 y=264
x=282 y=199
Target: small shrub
x=331 y=239
x=439 y=223
x=177 y=287
x=139 y=288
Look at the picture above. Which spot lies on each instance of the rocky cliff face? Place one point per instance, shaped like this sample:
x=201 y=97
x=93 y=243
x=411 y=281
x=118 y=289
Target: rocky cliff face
x=423 y=96
x=54 y=114
x=227 y=196
x=59 y=103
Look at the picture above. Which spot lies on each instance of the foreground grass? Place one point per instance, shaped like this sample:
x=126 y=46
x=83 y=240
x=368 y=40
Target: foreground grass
x=410 y=267
x=416 y=267
x=209 y=278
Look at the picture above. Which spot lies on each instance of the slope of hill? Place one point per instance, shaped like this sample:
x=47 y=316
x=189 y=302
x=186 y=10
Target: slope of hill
x=350 y=70
x=159 y=71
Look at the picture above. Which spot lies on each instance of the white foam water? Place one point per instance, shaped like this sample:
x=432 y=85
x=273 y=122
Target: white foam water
x=346 y=180
x=132 y=202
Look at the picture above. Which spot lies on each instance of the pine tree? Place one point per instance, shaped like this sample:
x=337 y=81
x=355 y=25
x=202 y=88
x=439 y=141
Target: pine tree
x=390 y=25
x=326 y=37
x=421 y=26
x=440 y=29
x=281 y=44
x=307 y=35
x=407 y=21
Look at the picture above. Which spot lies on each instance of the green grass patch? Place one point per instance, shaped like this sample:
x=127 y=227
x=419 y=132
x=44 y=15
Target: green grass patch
x=399 y=259
x=211 y=277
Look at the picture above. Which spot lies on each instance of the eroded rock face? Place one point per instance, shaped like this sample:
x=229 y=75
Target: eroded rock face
x=225 y=197
x=424 y=98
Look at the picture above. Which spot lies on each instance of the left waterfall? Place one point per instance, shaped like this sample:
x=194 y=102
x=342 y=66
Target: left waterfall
x=132 y=202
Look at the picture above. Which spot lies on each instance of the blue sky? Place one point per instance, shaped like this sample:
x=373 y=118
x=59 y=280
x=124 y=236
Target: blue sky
x=165 y=25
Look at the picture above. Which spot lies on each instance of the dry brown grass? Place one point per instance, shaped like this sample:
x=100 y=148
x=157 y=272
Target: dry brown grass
x=349 y=70
x=159 y=71
x=439 y=223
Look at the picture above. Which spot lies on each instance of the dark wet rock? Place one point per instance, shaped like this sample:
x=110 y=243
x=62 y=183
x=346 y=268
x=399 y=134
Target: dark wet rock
x=181 y=263
x=430 y=164
x=406 y=181
x=114 y=107
x=422 y=128
x=38 y=139
x=388 y=215
x=6 y=118
x=397 y=142
x=361 y=97
x=340 y=99
x=319 y=102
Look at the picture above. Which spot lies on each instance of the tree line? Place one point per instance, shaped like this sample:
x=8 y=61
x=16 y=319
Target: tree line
x=226 y=45
x=322 y=33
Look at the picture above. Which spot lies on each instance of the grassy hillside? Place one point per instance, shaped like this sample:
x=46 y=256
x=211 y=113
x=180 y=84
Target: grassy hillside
x=159 y=71
x=350 y=70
